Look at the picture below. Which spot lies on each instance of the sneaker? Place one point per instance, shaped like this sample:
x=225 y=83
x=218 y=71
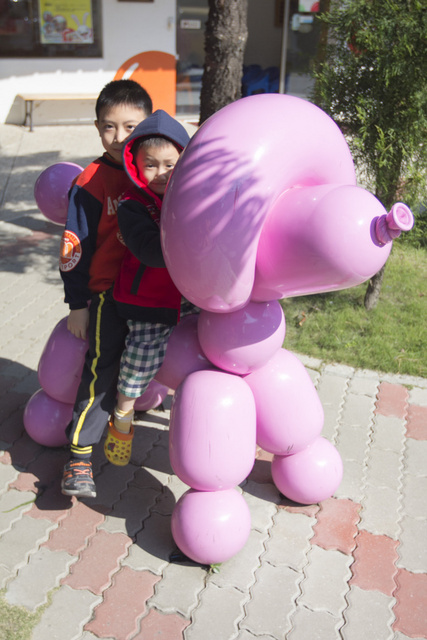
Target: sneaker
x=78 y=479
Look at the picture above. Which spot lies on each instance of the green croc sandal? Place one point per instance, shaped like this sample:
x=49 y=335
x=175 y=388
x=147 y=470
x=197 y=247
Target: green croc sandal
x=118 y=446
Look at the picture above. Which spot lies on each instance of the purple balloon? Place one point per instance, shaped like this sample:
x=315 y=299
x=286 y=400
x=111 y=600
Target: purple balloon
x=243 y=340
x=52 y=187
x=152 y=397
x=289 y=412
x=211 y=526
x=46 y=419
x=212 y=431
x=310 y=476
x=61 y=364
x=184 y=354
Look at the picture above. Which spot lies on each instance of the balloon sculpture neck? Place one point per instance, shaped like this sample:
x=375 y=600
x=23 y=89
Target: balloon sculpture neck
x=390 y=225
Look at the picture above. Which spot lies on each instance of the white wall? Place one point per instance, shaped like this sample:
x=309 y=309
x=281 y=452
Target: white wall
x=128 y=29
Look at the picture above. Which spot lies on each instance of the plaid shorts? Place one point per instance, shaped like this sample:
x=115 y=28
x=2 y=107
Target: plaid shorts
x=144 y=353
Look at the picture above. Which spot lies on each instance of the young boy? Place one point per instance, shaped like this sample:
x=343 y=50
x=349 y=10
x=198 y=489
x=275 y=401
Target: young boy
x=91 y=253
x=144 y=290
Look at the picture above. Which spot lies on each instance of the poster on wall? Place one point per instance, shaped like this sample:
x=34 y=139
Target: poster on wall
x=66 y=21
x=308 y=6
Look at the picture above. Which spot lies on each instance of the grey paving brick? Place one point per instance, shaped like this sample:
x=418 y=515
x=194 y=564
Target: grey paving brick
x=22 y=539
x=13 y=504
x=369 y=615
x=42 y=573
x=384 y=469
x=244 y=634
x=170 y=495
x=351 y=485
x=415 y=496
x=129 y=513
x=415 y=460
x=339 y=370
x=326 y=594
x=388 y=433
x=218 y=614
x=111 y=482
x=401 y=636
x=8 y=473
x=153 y=546
x=272 y=601
x=352 y=444
x=331 y=390
x=358 y=412
x=289 y=542
x=262 y=500
x=314 y=625
x=413 y=555
x=64 y=619
x=239 y=571
x=380 y=512
x=418 y=396
x=179 y=590
x=364 y=385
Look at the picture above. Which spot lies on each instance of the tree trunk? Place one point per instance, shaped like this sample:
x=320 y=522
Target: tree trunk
x=225 y=40
x=373 y=291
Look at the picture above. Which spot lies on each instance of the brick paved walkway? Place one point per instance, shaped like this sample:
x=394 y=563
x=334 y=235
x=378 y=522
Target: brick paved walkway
x=353 y=567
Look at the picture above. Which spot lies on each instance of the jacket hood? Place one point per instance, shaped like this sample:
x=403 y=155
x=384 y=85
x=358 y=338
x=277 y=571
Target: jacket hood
x=161 y=124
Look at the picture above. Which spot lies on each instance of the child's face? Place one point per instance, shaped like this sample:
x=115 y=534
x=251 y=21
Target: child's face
x=155 y=164
x=115 y=125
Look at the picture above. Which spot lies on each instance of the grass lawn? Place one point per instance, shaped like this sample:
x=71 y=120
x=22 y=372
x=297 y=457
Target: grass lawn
x=392 y=338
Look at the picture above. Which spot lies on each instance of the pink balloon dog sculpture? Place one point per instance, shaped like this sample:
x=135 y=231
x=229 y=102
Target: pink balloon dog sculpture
x=262 y=205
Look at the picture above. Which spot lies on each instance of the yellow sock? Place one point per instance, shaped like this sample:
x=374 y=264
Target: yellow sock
x=123 y=420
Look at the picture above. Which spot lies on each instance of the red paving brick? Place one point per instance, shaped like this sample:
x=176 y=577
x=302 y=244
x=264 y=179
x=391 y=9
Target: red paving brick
x=336 y=525
x=416 y=422
x=158 y=625
x=75 y=530
x=51 y=505
x=98 y=562
x=374 y=563
x=123 y=604
x=411 y=606
x=309 y=510
x=392 y=400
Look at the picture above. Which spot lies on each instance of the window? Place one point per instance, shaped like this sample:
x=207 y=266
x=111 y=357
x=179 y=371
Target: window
x=50 y=28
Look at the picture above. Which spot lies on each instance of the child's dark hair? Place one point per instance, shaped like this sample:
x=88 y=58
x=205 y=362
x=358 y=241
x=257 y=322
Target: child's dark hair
x=123 y=92
x=154 y=141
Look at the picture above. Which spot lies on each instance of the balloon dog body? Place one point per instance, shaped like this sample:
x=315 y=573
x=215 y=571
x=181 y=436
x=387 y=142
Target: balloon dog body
x=262 y=205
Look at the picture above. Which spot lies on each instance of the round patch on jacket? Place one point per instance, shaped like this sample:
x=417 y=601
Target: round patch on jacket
x=70 y=251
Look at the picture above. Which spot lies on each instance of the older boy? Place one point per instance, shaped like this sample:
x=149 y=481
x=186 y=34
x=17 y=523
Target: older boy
x=91 y=253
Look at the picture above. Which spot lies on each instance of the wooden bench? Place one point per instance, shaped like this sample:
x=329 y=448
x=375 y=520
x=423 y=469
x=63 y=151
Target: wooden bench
x=31 y=98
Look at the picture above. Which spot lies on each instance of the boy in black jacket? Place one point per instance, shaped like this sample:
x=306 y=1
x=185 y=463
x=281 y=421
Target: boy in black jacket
x=91 y=254
x=144 y=291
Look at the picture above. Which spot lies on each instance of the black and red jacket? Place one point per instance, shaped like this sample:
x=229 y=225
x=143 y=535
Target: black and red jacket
x=144 y=289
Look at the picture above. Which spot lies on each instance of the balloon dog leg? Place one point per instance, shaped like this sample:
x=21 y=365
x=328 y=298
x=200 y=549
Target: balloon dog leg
x=212 y=449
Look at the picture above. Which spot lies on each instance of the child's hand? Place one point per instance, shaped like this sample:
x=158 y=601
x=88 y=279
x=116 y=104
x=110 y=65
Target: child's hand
x=78 y=322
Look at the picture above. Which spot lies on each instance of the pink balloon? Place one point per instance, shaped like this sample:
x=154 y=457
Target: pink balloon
x=242 y=340
x=152 y=398
x=310 y=476
x=226 y=182
x=289 y=412
x=46 y=419
x=211 y=526
x=61 y=364
x=319 y=238
x=212 y=431
x=52 y=187
x=184 y=354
